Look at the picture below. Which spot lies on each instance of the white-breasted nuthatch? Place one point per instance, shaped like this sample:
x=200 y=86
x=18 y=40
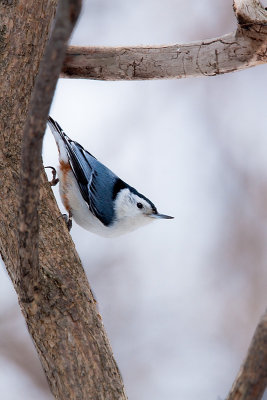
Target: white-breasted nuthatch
x=97 y=199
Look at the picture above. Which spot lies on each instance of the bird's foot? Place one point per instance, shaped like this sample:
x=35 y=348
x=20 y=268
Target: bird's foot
x=68 y=220
x=55 y=180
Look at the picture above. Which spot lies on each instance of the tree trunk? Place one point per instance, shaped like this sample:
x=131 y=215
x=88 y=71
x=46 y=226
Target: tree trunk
x=62 y=319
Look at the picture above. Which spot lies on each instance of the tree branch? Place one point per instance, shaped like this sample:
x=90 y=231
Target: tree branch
x=28 y=274
x=247 y=47
x=250 y=12
x=251 y=380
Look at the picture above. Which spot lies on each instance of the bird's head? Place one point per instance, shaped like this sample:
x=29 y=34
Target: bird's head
x=134 y=210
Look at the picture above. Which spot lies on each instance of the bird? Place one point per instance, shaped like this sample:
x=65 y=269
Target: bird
x=96 y=198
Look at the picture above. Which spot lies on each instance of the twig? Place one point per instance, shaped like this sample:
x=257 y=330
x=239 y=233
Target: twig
x=251 y=380
x=28 y=271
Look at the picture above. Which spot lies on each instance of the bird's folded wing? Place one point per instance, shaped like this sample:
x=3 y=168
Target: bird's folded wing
x=95 y=182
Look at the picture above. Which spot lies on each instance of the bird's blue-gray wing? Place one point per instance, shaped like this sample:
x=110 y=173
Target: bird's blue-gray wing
x=96 y=182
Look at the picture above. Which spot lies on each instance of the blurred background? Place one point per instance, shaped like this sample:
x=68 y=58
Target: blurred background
x=180 y=299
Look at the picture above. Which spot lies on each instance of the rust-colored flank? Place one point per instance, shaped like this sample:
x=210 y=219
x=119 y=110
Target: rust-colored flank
x=64 y=168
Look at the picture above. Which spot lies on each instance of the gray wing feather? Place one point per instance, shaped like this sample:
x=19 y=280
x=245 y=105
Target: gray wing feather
x=95 y=181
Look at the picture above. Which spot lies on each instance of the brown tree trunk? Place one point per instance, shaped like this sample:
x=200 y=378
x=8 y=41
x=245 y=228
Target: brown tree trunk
x=62 y=319
x=251 y=380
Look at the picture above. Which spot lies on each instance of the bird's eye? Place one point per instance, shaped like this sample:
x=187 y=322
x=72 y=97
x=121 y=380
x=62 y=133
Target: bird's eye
x=139 y=205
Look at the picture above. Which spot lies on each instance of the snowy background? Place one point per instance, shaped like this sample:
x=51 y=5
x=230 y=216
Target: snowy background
x=180 y=299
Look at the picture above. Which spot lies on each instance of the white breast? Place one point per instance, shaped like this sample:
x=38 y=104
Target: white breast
x=69 y=190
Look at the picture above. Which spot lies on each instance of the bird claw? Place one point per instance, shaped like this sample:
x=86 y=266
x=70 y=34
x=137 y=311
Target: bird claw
x=54 y=180
x=68 y=220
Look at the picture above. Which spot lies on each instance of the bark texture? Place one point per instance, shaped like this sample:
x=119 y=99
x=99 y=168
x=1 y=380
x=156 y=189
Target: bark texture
x=247 y=47
x=62 y=318
x=44 y=87
x=252 y=377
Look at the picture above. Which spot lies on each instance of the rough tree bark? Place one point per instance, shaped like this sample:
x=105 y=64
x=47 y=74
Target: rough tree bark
x=60 y=312
x=251 y=380
x=28 y=276
x=62 y=318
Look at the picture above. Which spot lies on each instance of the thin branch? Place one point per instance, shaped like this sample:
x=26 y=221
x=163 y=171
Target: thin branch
x=204 y=58
x=28 y=274
x=251 y=380
x=245 y=48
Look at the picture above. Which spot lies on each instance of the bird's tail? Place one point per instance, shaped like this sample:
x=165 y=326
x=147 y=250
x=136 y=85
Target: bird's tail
x=55 y=127
x=60 y=137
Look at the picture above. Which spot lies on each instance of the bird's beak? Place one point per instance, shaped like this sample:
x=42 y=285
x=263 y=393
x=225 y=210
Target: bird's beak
x=161 y=216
